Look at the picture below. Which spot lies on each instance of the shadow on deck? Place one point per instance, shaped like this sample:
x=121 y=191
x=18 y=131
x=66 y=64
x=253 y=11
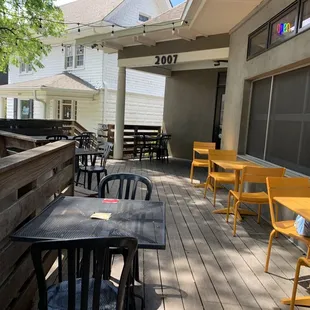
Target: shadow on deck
x=203 y=266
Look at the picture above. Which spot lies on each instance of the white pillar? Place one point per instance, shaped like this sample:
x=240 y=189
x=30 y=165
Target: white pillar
x=2 y=107
x=120 y=114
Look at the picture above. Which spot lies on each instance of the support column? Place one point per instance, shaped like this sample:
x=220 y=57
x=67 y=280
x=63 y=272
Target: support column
x=2 y=107
x=120 y=114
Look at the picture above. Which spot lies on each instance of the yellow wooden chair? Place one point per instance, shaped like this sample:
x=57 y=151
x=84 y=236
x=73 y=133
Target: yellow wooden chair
x=219 y=177
x=285 y=187
x=252 y=175
x=302 y=261
x=200 y=162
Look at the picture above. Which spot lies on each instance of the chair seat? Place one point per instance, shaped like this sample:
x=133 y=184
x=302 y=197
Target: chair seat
x=92 y=168
x=200 y=162
x=260 y=197
x=58 y=295
x=288 y=228
x=224 y=177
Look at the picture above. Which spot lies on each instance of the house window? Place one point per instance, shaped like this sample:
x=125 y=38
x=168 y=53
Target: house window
x=26 y=109
x=68 y=57
x=305 y=14
x=25 y=68
x=284 y=26
x=258 y=41
x=74 y=56
x=67 y=110
x=143 y=18
x=79 y=56
x=279 y=126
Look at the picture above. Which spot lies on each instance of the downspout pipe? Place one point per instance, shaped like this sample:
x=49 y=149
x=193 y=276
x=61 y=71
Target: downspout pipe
x=104 y=88
x=40 y=100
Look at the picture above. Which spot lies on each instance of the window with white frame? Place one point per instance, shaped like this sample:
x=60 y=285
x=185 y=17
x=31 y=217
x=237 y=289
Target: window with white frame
x=143 y=17
x=74 y=56
x=25 y=68
x=79 y=56
x=68 y=57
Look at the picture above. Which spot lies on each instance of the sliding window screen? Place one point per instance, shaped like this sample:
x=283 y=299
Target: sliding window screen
x=258 y=117
x=289 y=135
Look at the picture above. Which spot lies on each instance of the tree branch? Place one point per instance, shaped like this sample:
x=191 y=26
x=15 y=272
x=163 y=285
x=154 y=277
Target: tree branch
x=7 y=29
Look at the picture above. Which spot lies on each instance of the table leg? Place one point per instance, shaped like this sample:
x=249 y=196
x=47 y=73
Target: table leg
x=231 y=210
x=300 y=301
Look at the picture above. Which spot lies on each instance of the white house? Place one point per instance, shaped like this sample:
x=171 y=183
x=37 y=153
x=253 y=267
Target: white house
x=79 y=82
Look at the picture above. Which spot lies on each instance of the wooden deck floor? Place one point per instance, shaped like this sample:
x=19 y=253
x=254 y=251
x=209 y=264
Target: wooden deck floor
x=203 y=266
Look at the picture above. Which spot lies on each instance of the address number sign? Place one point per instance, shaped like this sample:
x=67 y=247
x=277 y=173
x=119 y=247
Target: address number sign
x=166 y=59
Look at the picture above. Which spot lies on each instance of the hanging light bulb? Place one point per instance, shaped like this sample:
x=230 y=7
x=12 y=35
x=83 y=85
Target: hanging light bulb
x=62 y=47
x=112 y=33
x=144 y=33
x=40 y=23
x=173 y=29
x=79 y=30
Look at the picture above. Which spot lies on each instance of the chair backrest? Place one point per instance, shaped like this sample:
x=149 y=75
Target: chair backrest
x=57 y=137
x=106 y=149
x=163 y=140
x=127 y=185
x=91 y=134
x=286 y=187
x=258 y=175
x=221 y=155
x=203 y=145
x=99 y=249
x=84 y=141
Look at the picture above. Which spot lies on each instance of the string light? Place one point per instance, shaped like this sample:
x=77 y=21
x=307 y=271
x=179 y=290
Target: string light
x=62 y=47
x=173 y=29
x=79 y=30
x=112 y=33
x=144 y=33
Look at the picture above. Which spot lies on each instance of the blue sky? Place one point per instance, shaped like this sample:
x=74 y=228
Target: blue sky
x=175 y=2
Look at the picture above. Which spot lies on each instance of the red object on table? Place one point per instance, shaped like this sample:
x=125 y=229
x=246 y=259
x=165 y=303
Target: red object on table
x=110 y=200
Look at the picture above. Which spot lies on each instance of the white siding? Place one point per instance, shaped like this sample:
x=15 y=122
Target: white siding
x=139 y=109
x=136 y=81
x=38 y=110
x=54 y=64
x=89 y=114
x=128 y=12
x=10 y=108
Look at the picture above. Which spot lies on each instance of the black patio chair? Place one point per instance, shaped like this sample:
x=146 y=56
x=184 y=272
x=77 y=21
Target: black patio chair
x=97 y=169
x=143 y=145
x=85 y=292
x=129 y=183
x=161 y=148
x=83 y=141
x=57 y=137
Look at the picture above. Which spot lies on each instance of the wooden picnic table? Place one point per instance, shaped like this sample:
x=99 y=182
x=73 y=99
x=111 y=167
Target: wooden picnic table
x=237 y=166
x=301 y=206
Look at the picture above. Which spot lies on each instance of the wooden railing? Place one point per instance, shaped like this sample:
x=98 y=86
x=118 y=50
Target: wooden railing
x=130 y=132
x=39 y=127
x=28 y=182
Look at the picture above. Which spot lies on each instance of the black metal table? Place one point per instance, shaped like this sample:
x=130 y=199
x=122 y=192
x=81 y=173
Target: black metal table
x=85 y=152
x=69 y=218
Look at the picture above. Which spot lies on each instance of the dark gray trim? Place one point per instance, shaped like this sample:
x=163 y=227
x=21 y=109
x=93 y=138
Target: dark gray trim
x=176 y=46
x=298 y=28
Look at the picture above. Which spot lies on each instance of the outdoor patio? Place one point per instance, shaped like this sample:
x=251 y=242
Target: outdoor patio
x=203 y=266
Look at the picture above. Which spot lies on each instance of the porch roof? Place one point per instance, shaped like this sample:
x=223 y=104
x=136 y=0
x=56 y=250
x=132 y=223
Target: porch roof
x=55 y=85
x=189 y=20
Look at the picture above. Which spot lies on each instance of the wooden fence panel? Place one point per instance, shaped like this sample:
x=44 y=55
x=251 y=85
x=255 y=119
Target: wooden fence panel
x=28 y=182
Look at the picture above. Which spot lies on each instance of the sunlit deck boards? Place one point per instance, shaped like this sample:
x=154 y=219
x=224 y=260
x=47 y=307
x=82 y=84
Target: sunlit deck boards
x=204 y=267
